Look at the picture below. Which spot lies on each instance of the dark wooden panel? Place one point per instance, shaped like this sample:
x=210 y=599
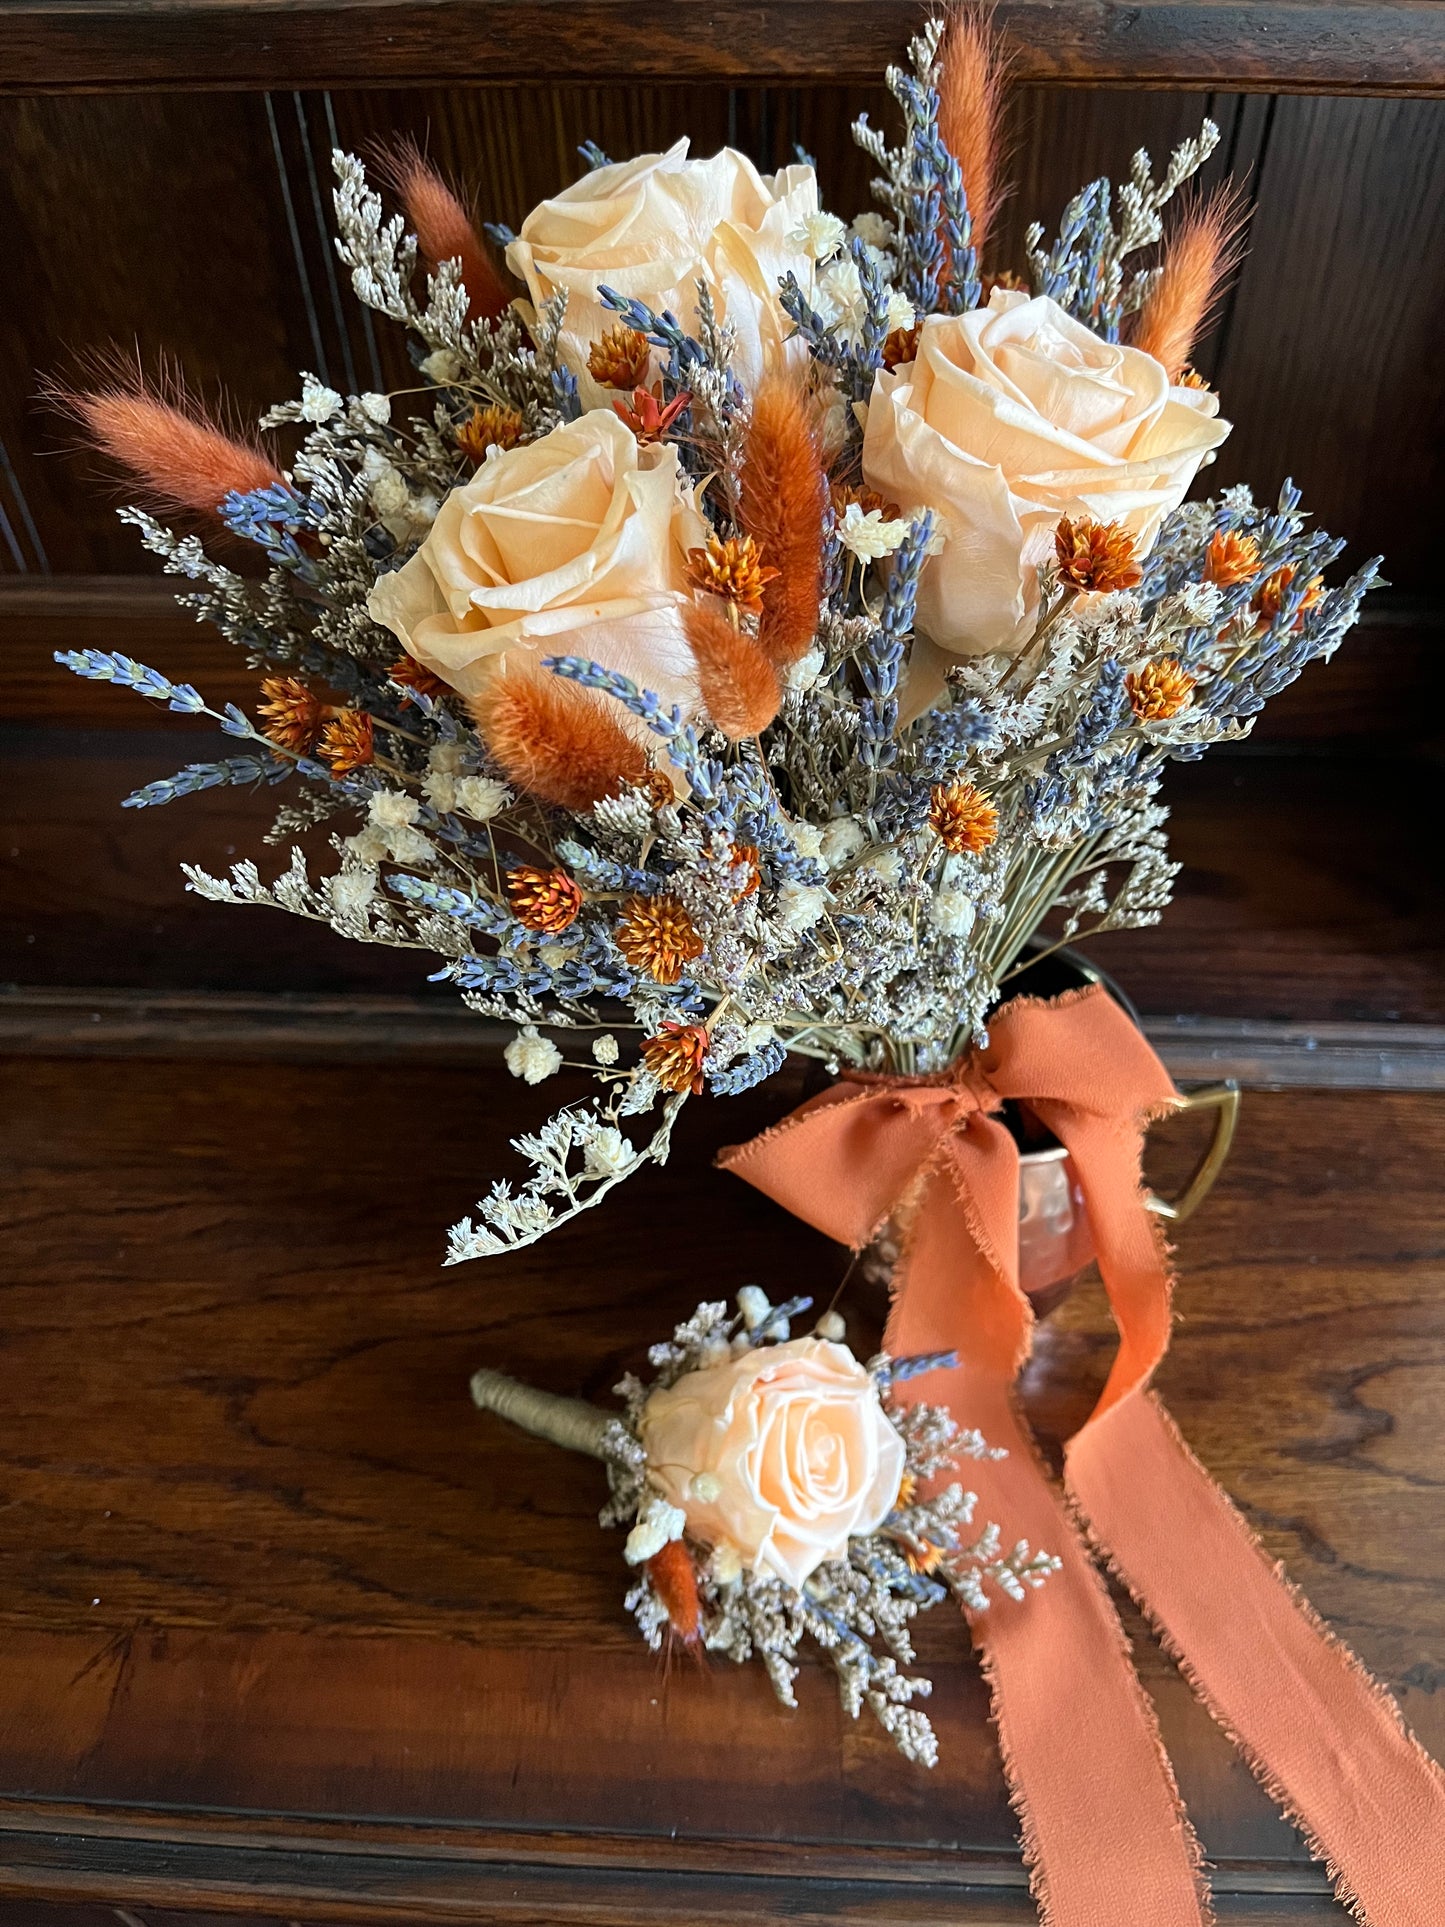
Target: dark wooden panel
x=1309 y=889
x=1330 y=366
x=261 y=1559
x=223 y=260
x=1385 y=682
x=72 y=45
x=135 y=222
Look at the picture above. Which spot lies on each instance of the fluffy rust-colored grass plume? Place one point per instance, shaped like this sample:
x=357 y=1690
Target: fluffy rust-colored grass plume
x=783 y=500
x=1200 y=254
x=739 y=682
x=165 y=440
x=441 y=224
x=556 y=741
x=972 y=82
x=674 y=1580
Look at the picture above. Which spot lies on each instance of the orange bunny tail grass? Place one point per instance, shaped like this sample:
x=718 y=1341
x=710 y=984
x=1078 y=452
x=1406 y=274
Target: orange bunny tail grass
x=167 y=443
x=784 y=498
x=739 y=683
x=442 y=226
x=1199 y=257
x=674 y=1580
x=556 y=741
x=972 y=82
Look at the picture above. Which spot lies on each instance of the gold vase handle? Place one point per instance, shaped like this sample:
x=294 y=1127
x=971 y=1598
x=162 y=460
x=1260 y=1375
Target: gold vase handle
x=1223 y=1100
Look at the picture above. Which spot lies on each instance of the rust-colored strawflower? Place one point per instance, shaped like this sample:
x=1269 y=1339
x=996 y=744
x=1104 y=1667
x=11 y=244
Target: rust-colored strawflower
x=647 y=415
x=621 y=359
x=291 y=715
x=412 y=674
x=544 y=900
x=963 y=819
x=348 y=742
x=1159 y=690
x=675 y=1056
x=1096 y=555
x=901 y=345
x=1230 y=558
x=1270 y=597
x=731 y=568
x=495 y=426
x=657 y=935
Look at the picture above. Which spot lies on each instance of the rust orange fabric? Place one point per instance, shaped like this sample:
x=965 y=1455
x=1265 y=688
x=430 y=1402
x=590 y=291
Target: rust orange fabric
x=1105 y=1834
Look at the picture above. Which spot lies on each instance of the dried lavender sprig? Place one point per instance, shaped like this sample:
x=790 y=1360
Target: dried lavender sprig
x=207 y=776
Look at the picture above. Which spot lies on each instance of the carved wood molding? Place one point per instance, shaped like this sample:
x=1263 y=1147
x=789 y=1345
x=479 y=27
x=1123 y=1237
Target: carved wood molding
x=1307 y=46
x=331 y=1029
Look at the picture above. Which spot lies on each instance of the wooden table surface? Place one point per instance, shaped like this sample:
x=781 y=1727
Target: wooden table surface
x=290 y=1630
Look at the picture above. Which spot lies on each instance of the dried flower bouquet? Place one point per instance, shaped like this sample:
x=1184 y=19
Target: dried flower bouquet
x=766 y=629
x=775 y=1492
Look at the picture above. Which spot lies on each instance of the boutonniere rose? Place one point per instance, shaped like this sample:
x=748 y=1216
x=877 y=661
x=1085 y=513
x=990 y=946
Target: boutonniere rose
x=782 y=1454
x=575 y=543
x=653 y=227
x=1008 y=418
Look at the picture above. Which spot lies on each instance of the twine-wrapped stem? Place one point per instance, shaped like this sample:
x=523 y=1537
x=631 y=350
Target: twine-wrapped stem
x=568 y=1422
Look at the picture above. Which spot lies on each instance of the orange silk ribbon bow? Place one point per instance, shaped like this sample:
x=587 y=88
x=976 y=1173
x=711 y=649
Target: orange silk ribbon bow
x=1105 y=1834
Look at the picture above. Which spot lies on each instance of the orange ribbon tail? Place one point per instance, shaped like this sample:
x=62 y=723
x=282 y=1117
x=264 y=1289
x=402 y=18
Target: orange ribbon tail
x=1105 y=1834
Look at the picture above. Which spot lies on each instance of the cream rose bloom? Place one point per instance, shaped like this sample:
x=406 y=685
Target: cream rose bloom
x=1009 y=418
x=653 y=227
x=782 y=1454
x=575 y=544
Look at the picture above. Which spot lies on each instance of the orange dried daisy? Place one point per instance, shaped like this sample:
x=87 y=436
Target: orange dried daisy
x=1270 y=597
x=676 y=1055
x=731 y=568
x=494 y=426
x=656 y=934
x=348 y=742
x=1159 y=690
x=621 y=359
x=1191 y=378
x=907 y=1489
x=415 y=675
x=1096 y=555
x=963 y=819
x=543 y=900
x=291 y=714
x=1230 y=558
x=901 y=345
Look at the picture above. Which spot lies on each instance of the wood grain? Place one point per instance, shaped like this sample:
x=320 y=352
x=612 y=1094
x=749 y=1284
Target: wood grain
x=290 y=1630
x=75 y=45
x=1294 y=904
